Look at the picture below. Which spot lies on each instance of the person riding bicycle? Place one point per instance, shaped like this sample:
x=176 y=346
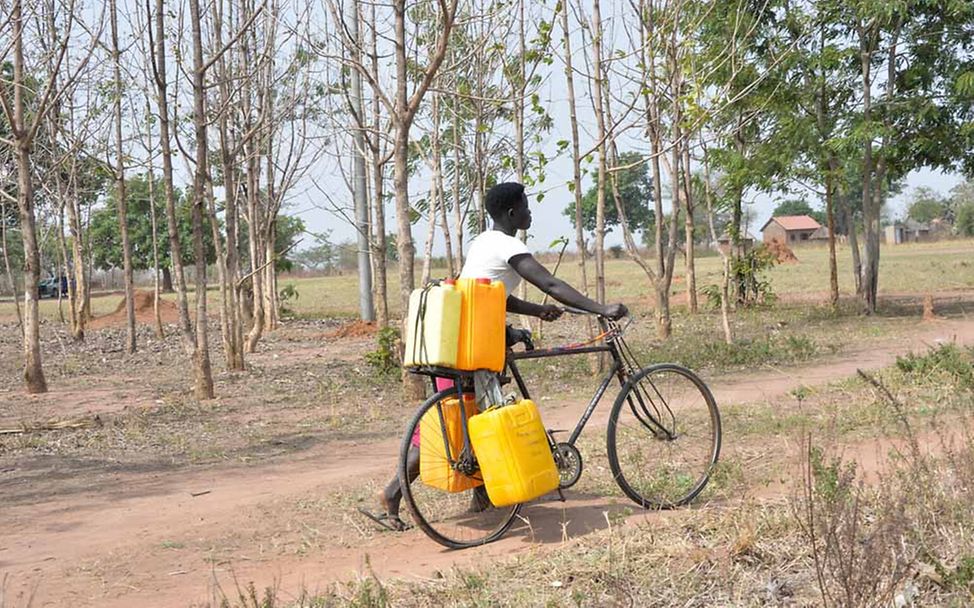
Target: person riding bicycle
x=499 y=255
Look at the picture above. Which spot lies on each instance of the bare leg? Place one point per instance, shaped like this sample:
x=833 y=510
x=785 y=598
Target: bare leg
x=391 y=497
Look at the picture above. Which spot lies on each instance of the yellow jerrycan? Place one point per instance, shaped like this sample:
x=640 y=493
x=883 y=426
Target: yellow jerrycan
x=434 y=466
x=433 y=326
x=482 y=318
x=513 y=452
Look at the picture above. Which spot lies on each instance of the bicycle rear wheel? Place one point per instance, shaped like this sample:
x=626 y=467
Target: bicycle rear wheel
x=663 y=436
x=454 y=519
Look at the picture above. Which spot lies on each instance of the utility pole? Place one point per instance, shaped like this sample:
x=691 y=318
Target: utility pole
x=366 y=308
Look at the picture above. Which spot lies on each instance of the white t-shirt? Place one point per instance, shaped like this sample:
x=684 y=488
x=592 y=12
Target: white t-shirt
x=489 y=258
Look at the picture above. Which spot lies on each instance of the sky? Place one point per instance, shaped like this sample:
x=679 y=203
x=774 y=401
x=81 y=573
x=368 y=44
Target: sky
x=549 y=221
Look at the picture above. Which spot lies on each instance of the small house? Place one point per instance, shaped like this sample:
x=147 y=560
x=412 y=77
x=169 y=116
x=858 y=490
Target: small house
x=724 y=242
x=908 y=231
x=790 y=229
x=821 y=235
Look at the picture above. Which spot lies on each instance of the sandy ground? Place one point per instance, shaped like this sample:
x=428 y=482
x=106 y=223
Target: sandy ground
x=114 y=533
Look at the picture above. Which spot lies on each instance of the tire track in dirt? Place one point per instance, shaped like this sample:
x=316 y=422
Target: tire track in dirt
x=106 y=546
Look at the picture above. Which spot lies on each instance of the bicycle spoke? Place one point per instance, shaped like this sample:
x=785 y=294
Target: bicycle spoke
x=449 y=506
x=663 y=444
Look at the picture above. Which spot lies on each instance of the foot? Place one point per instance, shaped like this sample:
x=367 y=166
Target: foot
x=386 y=520
x=479 y=501
x=387 y=504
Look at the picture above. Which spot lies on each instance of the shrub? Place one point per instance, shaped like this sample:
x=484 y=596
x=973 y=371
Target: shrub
x=385 y=358
x=947 y=360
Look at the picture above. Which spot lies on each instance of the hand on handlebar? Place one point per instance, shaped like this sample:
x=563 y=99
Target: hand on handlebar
x=615 y=311
x=550 y=312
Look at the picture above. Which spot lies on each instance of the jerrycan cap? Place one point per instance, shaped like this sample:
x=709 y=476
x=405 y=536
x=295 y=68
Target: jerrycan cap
x=450 y=282
x=482 y=281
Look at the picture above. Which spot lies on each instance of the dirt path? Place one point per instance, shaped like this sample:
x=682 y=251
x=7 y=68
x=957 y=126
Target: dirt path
x=137 y=537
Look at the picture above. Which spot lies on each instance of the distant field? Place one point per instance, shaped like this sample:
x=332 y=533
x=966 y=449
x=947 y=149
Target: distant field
x=904 y=269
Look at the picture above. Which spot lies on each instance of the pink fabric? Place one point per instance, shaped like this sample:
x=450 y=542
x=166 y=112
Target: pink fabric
x=441 y=384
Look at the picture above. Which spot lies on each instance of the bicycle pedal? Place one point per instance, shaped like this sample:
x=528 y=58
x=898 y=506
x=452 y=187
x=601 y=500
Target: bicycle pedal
x=553 y=431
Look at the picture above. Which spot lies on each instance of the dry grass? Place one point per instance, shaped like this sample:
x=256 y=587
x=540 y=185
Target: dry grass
x=847 y=532
x=904 y=269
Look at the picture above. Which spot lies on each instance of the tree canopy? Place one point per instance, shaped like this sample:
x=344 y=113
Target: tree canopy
x=635 y=191
x=799 y=207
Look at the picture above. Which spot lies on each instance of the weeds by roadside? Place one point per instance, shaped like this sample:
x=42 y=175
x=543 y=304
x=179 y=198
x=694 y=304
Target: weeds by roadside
x=895 y=536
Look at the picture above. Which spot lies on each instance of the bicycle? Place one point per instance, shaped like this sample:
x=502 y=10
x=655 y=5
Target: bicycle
x=663 y=411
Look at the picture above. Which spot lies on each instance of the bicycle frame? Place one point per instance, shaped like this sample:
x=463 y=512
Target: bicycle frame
x=616 y=370
x=619 y=369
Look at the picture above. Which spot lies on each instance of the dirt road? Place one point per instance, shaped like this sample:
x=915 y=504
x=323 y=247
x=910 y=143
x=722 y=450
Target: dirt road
x=128 y=535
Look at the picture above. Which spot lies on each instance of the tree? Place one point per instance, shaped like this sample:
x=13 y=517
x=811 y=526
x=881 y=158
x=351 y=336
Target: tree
x=120 y=194
x=23 y=123
x=320 y=257
x=635 y=188
x=962 y=205
x=964 y=224
x=104 y=233
x=927 y=205
x=799 y=207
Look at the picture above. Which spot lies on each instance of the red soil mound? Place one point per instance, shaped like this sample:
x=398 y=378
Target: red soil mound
x=143 y=312
x=781 y=252
x=355 y=329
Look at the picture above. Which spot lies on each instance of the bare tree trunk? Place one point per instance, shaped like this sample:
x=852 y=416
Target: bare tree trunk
x=872 y=218
x=689 y=226
x=231 y=315
x=830 y=216
x=271 y=304
x=413 y=388
x=359 y=183
x=870 y=207
x=204 y=375
x=664 y=250
x=81 y=286
x=406 y=107
x=65 y=265
x=379 y=258
x=156 y=287
x=256 y=252
x=226 y=332
x=576 y=152
x=123 y=227
x=175 y=253
x=601 y=136
x=854 y=247
x=379 y=248
x=724 y=256
x=518 y=89
x=33 y=370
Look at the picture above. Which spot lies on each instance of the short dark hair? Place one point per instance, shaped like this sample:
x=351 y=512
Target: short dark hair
x=502 y=197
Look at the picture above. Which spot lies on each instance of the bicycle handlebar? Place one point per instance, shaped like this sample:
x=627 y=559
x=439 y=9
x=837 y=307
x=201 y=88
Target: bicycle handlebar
x=579 y=311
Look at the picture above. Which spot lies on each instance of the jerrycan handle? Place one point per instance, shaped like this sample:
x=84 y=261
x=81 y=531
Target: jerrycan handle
x=522 y=415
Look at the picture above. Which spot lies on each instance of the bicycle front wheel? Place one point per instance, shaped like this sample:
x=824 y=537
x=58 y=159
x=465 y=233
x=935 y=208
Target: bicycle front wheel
x=455 y=519
x=663 y=436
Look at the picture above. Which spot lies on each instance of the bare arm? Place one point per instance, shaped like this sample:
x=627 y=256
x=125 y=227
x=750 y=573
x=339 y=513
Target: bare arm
x=546 y=312
x=536 y=274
